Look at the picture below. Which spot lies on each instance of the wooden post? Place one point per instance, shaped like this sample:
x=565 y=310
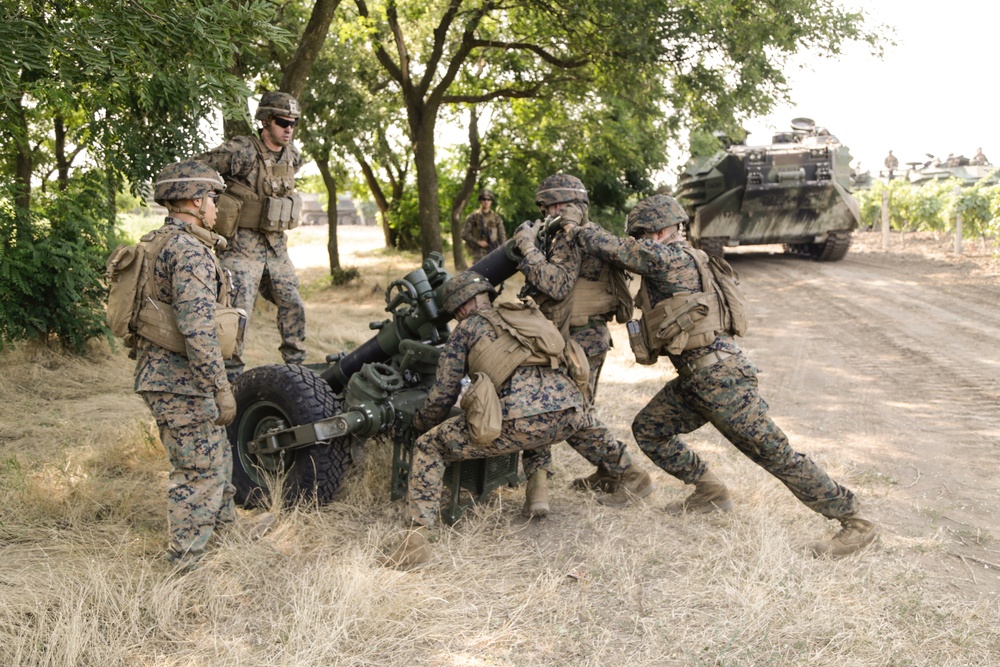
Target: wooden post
x=885 y=220
x=958 y=224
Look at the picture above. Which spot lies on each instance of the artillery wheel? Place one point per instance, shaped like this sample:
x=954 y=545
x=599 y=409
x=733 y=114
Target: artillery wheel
x=272 y=398
x=713 y=247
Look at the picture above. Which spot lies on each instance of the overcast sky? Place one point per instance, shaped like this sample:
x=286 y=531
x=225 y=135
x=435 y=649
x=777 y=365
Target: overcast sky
x=936 y=91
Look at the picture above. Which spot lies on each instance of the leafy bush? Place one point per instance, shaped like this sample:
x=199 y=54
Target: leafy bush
x=52 y=265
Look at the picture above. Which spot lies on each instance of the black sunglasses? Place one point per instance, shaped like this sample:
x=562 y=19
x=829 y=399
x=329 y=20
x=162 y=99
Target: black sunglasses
x=285 y=123
x=214 y=196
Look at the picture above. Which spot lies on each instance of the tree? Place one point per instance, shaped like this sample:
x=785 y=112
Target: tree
x=123 y=85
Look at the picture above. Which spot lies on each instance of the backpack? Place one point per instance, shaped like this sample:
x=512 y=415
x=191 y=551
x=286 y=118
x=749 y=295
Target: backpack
x=715 y=270
x=127 y=273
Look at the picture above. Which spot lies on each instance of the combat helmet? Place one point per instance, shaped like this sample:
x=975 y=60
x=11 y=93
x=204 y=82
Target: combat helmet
x=560 y=188
x=653 y=214
x=186 y=180
x=274 y=103
x=486 y=193
x=463 y=287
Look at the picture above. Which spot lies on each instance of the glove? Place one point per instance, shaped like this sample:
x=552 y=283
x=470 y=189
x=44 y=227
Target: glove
x=525 y=236
x=571 y=215
x=226 y=403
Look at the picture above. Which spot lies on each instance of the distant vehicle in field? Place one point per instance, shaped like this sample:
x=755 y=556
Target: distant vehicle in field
x=953 y=166
x=795 y=191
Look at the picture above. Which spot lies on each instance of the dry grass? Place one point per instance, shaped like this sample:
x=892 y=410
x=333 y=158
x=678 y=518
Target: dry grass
x=82 y=479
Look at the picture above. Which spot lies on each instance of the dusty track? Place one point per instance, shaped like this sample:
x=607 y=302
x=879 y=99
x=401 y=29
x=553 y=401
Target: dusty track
x=896 y=357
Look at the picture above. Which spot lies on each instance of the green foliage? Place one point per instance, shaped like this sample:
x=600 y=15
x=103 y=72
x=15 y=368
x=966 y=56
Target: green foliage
x=51 y=285
x=343 y=276
x=934 y=206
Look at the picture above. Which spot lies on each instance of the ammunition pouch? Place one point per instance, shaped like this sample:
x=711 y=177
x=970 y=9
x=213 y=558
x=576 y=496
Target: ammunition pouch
x=236 y=206
x=157 y=324
x=272 y=214
x=684 y=322
x=640 y=346
x=483 y=411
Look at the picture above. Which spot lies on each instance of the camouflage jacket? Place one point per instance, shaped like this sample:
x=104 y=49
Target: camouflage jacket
x=486 y=226
x=665 y=268
x=531 y=390
x=556 y=274
x=184 y=276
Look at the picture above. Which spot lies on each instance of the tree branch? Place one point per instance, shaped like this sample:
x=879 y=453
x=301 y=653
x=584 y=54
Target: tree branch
x=383 y=57
x=534 y=48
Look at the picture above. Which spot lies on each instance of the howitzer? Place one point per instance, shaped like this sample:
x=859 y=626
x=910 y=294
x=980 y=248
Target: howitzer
x=296 y=427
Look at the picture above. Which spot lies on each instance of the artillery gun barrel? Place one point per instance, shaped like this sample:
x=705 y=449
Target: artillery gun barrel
x=422 y=320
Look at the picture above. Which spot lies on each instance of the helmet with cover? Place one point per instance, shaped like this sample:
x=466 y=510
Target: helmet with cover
x=463 y=287
x=486 y=193
x=273 y=103
x=560 y=188
x=653 y=214
x=186 y=180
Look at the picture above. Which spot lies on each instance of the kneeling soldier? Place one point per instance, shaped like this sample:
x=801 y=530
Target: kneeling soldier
x=535 y=403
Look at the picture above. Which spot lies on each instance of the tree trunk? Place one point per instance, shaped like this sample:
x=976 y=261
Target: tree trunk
x=62 y=164
x=376 y=191
x=465 y=191
x=296 y=72
x=323 y=165
x=23 y=166
x=427 y=185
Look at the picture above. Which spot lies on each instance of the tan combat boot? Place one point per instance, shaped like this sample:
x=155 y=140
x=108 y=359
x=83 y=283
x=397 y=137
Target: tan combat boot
x=414 y=552
x=856 y=534
x=635 y=484
x=710 y=495
x=536 y=495
x=600 y=480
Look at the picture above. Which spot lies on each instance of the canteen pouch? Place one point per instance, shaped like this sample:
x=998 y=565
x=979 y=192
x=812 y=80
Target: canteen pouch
x=640 y=347
x=483 y=411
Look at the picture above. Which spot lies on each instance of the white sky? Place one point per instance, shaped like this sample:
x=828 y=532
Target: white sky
x=936 y=91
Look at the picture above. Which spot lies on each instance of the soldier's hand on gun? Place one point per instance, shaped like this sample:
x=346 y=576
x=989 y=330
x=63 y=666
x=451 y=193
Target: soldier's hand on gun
x=226 y=403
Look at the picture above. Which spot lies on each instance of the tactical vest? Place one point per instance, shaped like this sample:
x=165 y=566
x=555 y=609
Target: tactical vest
x=606 y=297
x=155 y=320
x=688 y=320
x=272 y=205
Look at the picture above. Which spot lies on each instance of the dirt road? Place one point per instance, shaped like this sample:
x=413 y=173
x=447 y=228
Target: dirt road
x=900 y=356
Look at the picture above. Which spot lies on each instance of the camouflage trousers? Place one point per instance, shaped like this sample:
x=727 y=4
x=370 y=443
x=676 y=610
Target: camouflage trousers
x=200 y=492
x=726 y=395
x=541 y=458
x=257 y=266
x=449 y=442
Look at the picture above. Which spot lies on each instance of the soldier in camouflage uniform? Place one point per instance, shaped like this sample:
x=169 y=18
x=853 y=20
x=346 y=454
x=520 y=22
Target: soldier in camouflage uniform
x=716 y=383
x=979 y=159
x=189 y=394
x=558 y=276
x=483 y=231
x=260 y=174
x=541 y=405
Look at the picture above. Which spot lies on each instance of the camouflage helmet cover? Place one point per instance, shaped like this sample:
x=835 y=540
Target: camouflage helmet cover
x=186 y=180
x=560 y=188
x=463 y=287
x=653 y=214
x=486 y=193
x=274 y=103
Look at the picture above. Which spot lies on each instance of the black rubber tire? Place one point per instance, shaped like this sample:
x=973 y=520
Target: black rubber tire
x=275 y=397
x=713 y=247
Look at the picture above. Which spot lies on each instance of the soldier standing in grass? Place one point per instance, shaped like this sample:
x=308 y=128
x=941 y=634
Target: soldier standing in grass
x=259 y=205
x=580 y=293
x=539 y=404
x=483 y=231
x=186 y=387
x=690 y=322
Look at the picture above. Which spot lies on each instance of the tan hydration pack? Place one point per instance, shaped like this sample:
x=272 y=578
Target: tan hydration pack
x=525 y=337
x=261 y=208
x=133 y=313
x=688 y=320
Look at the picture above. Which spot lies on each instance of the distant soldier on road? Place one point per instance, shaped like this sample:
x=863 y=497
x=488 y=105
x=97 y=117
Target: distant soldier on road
x=687 y=318
x=259 y=205
x=891 y=164
x=483 y=231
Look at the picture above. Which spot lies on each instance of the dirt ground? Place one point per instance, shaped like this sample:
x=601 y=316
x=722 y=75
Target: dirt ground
x=896 y=356
x=891 y=358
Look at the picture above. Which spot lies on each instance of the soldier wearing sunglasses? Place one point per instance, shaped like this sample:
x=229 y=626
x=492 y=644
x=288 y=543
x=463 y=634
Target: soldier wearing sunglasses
x=259 y=205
